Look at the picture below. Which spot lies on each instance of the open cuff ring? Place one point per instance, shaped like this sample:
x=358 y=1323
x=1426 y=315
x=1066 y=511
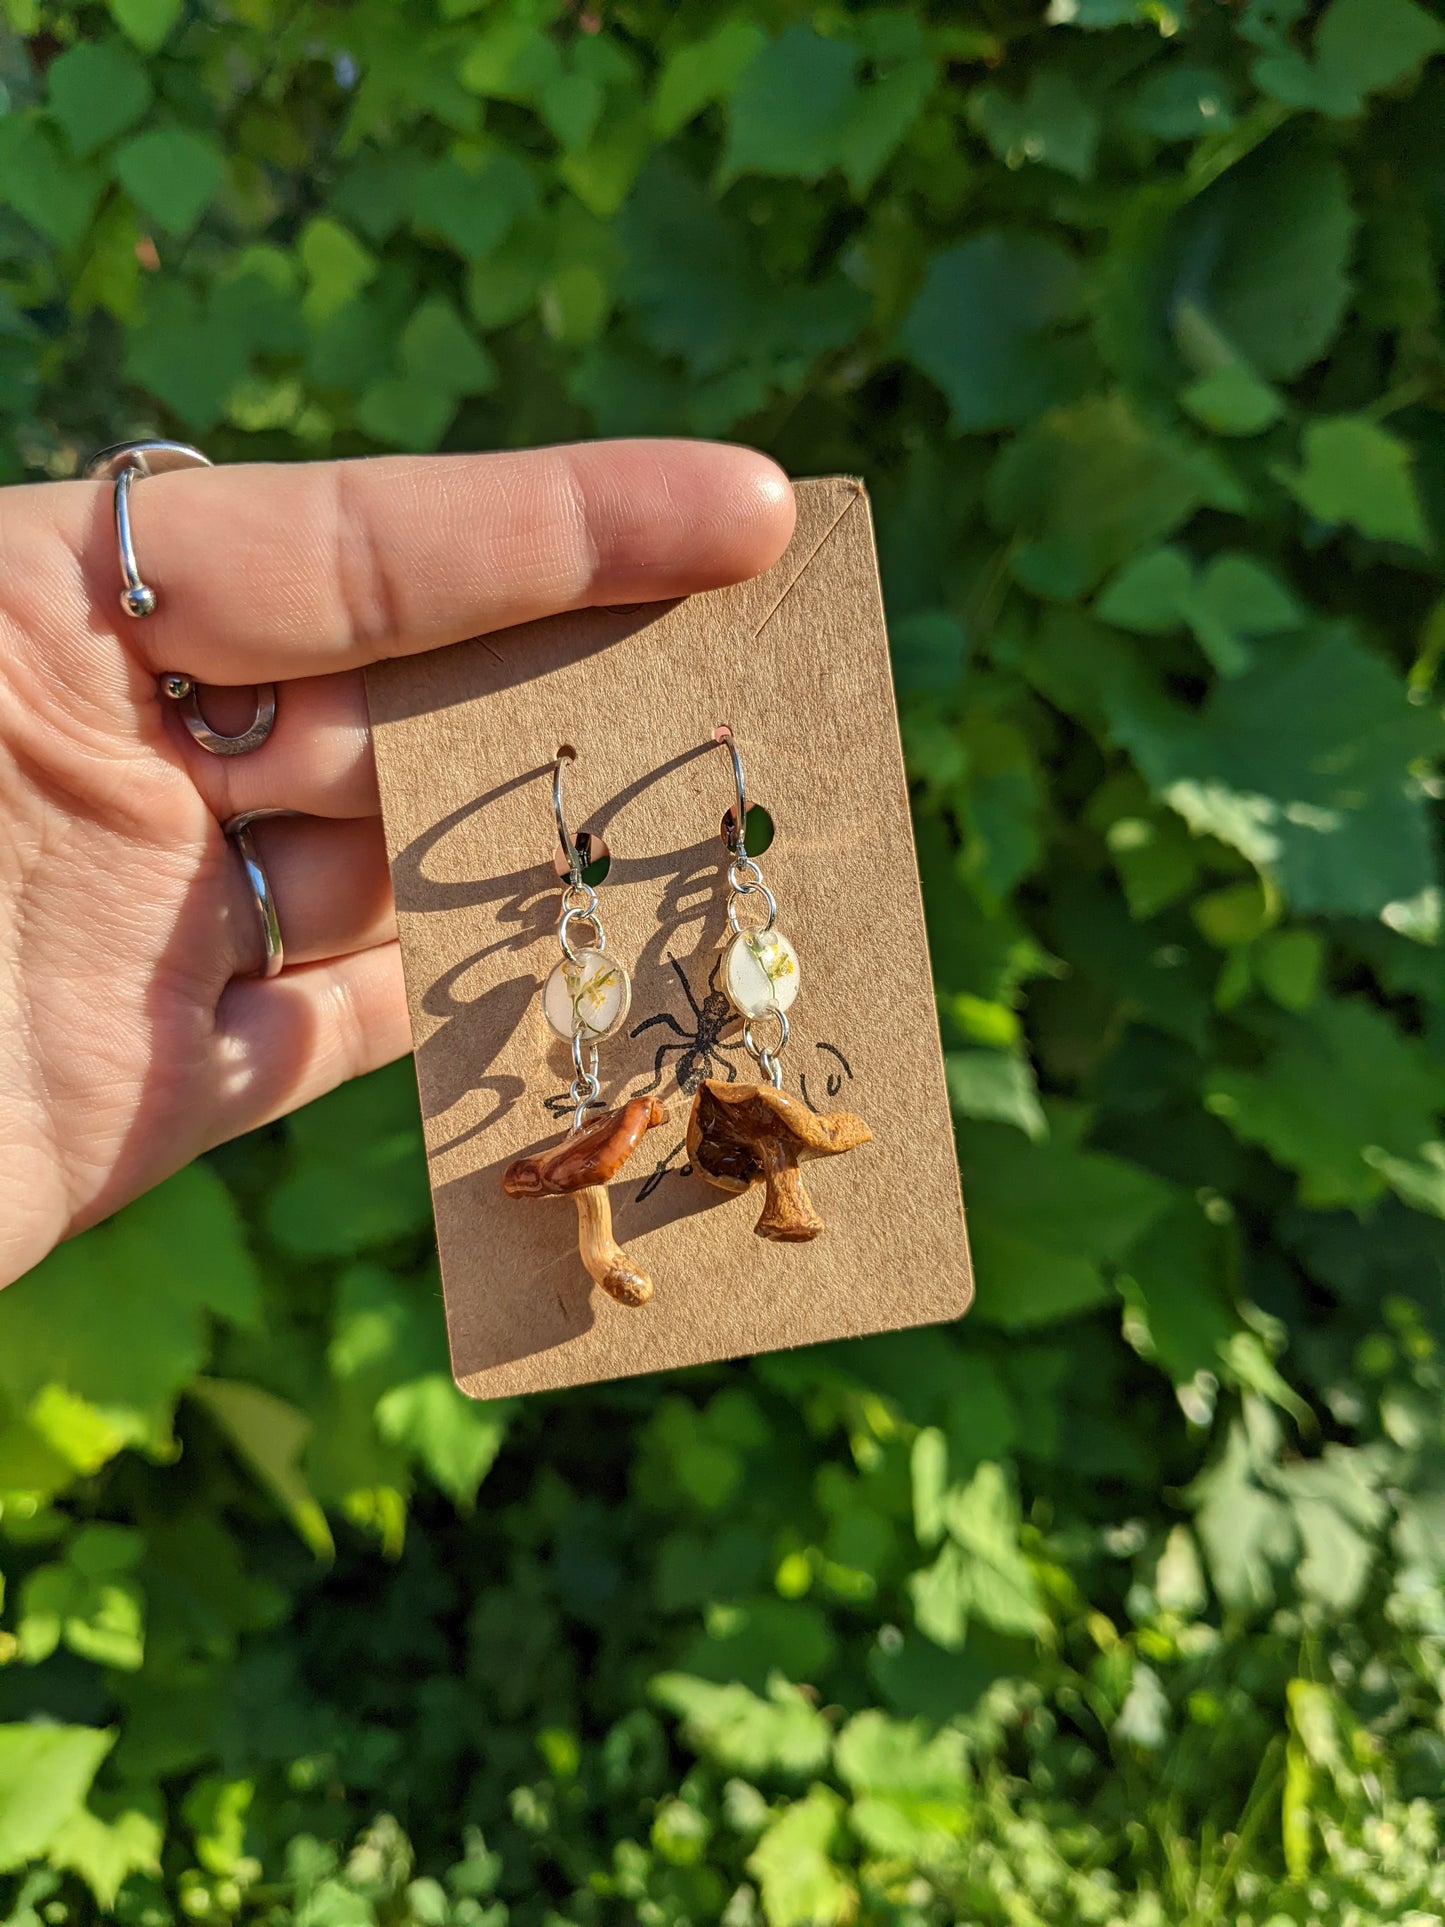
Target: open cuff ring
x=238 y=833
x=125 y=464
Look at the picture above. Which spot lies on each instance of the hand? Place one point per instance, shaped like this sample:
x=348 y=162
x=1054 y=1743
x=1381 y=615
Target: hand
x=131 y=1037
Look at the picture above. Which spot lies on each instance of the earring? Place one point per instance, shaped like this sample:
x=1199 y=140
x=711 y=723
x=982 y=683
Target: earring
x=585 y=999
x=739 y=1135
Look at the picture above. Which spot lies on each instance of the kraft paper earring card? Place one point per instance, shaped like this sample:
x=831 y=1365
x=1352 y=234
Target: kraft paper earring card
x=795 y=664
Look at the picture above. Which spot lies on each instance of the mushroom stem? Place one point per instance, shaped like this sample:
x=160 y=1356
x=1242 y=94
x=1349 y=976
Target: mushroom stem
x=604 y=1258
x=788 y=1216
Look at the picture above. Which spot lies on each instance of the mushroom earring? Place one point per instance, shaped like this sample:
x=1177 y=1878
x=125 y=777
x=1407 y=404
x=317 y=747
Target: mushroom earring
x=585 y=999
x=740 y=1135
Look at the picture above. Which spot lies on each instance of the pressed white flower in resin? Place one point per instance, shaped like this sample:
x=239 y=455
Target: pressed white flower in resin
x=588 y=998
x=761 y=972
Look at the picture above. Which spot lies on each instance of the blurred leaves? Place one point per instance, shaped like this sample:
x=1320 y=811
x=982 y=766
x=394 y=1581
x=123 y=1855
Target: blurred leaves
x=1121 y=1604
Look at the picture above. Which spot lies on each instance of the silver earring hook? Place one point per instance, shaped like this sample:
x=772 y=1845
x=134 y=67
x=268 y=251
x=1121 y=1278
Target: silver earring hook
x=736 y=838
x=570 y=856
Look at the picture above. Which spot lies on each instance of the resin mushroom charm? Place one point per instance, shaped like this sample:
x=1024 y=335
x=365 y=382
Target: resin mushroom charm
x=581 y=1167
x=740 y=1135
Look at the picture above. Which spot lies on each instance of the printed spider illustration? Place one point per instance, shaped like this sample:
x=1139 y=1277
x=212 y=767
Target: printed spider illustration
x=701 y=1046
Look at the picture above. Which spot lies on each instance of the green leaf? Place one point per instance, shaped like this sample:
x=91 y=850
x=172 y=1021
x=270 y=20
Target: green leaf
x=1420 y=1180
x=1179 y=1577
x=1361 y=47
x=570 y=105
x=983 y=1519
x=1326 y=809
x=406 y=411
x=436 y=347
x=602 y=173
x=790 y=109
x=1255 y=270
x=1355 y=472
x=171 y=175
x=743 y=1733
x=40 y=180
x=1340 y=1081
x=357 y=1174
x=1180 y=100
x=456 y=1439
x=270 y=1436
x=191 y=356
x=982 y=326
x=1232 y=401
x=89 y=1603
x=704 y=71
x=1176 y=1285
x=1046 y=1220
x=1248 y=1534
x=471 y=206
x=106 y=1847
x=1290 y=966
x=511 y=59
x=146 y=22
x=798 y=108
x=1232 y=599
x=1339 y=1512
x=1054 y=125
x=96 y=90
x=997 y=1085
x=693 y=282
x=120 y=1318
x=1144 y=1717
x=1147 y=593
x=337 y=267
x=928 y=652
x=928 y=1475
x=875 y=1754
x=1090 y=485
x=793 y=1866
x=45 y=1774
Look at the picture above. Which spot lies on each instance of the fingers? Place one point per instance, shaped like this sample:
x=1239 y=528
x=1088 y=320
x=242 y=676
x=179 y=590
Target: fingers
x=282 y=1043
x=331 y=888
x=269 y=572
x=317 y=759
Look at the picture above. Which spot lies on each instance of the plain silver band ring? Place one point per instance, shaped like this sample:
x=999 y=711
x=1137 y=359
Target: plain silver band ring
x=125 y=464
x=238 y=832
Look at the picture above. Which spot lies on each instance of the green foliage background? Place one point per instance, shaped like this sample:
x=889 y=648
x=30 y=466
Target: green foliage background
x=1121 y=1602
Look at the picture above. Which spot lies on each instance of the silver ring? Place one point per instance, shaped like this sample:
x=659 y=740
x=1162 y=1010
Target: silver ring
x=238 y=833
x=183 y=693
x=125 y=464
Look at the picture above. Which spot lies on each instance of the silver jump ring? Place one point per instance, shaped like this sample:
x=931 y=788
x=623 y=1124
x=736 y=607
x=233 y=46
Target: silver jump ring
x=238 y=832
x=569 y=917
x=750 y=1042
x=752 y=890
x=744 y=876
x=125 y=464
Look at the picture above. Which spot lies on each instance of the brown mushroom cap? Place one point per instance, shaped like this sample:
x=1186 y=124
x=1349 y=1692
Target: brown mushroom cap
x=593 y=1155
x=730 y=1122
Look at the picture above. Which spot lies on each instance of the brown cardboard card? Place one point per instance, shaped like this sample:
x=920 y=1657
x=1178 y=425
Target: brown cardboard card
x=796 y=662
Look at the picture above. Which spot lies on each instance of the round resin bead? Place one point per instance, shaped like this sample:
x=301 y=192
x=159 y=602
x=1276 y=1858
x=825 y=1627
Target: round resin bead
x=587 y=999
x=761 y=972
